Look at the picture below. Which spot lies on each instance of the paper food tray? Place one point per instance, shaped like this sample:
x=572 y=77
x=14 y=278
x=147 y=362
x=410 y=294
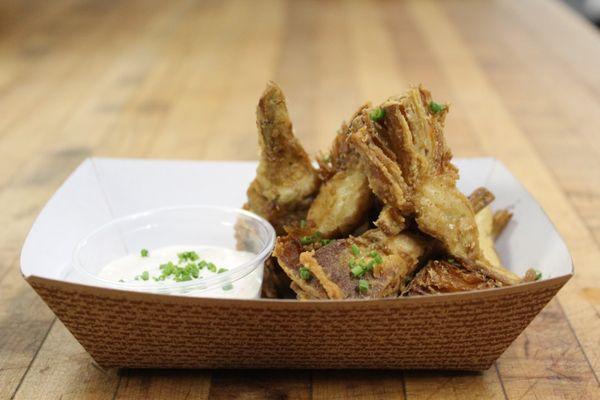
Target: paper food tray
x=466 y=331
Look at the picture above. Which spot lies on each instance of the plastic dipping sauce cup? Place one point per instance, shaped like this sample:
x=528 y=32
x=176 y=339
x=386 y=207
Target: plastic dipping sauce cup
x=229 y=229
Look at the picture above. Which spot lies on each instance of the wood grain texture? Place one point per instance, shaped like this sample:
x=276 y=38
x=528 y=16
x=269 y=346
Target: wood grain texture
x=180 y=79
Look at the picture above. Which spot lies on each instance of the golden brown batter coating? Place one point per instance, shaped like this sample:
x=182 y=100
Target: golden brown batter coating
x=381 y=205
x=286 y=181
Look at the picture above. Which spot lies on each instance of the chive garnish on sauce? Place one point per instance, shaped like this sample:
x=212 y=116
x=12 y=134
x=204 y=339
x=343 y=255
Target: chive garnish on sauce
x=187 y=268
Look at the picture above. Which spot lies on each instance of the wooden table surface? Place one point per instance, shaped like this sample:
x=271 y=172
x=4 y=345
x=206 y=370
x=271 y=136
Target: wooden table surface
x=180 y=79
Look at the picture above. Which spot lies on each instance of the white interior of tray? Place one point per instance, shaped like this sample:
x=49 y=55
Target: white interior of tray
x=103 y=189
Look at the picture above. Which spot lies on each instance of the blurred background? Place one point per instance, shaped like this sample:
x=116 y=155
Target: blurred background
x=588 y=8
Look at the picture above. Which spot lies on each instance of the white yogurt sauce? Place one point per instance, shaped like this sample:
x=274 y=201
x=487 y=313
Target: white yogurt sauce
x=126 y=269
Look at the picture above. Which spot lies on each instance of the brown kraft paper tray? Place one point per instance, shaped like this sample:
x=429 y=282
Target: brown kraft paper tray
x=466 y=331
x=462 y=331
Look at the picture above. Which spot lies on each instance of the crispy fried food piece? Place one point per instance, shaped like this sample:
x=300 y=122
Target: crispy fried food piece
x=392 y=259
x=489 y=224
x=390 y=221
x=427 y=181
x=385 y=177
x=288 y=250
x=301 y=294
x=485 y=220
x=343 y=155
x=480 y=198
x=345 y=198
x=531 y=275
x=342 y=203
x=500 y=220
x=329 y=264
x=448 y=277
x=286 y=181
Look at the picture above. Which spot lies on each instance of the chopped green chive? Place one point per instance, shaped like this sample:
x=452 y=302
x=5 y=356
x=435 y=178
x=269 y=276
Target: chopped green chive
x=538 y=275
x=357 y=271
x=359 y=266
x=304 y=240
x=188 y=256
x=363 y=286
x=436 y=107
x=377 y=114
x=304 y=273
x=187 y=268
x=378 y=259
x=227 y=287
x=325 y=242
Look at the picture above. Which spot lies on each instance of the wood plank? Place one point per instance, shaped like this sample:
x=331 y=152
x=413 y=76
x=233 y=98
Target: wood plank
x=200 y=126
x=22 y=36
x=546 y=361
x=164 y=384
x=356 y=384
x=501 y=137
x=453 y=385
x=421 y=68
x=260 y=384
x=62 y=369
x=338 y=96
x=295 y=67
x=565 y=33
x=24 y=323
x=375 y=53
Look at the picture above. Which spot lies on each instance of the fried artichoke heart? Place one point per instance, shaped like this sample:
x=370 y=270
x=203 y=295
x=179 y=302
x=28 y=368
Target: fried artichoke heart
x=414 y=175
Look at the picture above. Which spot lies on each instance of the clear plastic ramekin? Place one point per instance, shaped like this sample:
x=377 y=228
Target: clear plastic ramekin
x=231 y=228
